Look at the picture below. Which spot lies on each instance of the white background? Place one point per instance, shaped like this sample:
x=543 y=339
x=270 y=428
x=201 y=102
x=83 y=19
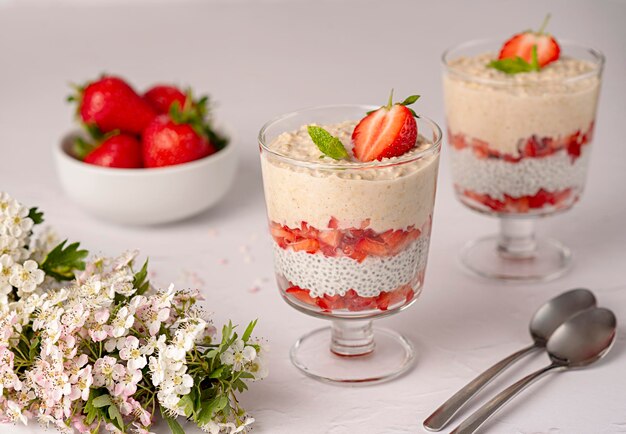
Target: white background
x=260 y=59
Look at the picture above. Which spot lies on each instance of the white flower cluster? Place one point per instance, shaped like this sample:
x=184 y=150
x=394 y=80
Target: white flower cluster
x=104 y=350
x=17 y=269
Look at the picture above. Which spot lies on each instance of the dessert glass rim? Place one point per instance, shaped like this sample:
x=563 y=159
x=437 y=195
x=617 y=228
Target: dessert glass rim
x=597 y=56
x=433 y=148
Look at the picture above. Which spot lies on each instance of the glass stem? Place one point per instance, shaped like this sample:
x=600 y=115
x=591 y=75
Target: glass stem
x=352 y=338
x=517 y=238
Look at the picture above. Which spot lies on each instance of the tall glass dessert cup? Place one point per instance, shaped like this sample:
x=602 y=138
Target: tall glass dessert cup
x=519 y=149
x=350 y=240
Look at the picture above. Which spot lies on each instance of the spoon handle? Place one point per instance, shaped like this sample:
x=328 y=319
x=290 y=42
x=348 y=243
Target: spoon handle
x=448 y=409
x=480 y=416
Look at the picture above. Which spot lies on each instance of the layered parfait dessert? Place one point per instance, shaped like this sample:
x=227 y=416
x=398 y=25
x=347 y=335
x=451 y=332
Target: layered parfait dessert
x=350 y=206
x=520 y=123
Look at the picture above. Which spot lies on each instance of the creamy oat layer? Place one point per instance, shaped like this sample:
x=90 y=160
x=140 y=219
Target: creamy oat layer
x=391 y=197
x=502 y=109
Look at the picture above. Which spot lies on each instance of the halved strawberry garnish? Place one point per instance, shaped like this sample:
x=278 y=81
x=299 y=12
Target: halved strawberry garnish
x=521 y=45
x=387 y=132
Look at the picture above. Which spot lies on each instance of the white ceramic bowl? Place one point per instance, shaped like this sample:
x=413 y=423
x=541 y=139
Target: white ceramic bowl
x=146 y=196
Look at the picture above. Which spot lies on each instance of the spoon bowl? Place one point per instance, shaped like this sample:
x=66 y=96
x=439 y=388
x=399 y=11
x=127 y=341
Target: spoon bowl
x=583 y=339
x=556 y=311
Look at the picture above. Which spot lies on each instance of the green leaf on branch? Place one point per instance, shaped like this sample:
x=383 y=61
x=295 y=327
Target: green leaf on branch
x=240 y=385
x=34 y=349
x=249 y=330
x=217 y=373
x=210 y=408
x=63 y=260
x=227 y=331
x=174 y=425
x=101 y=401
x=187 y=405
x=93 y=412
x=140 y=282
x=35 y=215
x=116 y=417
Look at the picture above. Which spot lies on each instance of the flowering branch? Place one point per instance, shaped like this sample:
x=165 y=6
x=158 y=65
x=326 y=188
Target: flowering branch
x=93 y=346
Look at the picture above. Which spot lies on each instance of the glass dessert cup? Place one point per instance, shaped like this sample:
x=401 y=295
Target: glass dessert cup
x=350 y=244
x=519 y=150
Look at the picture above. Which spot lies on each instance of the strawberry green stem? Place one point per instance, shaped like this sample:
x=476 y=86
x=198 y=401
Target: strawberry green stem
x=546 y=20
x=390 y=102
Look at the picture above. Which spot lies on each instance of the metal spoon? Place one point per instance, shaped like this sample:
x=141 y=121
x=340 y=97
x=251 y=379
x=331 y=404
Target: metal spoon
x=577 y=343
x=544 y=322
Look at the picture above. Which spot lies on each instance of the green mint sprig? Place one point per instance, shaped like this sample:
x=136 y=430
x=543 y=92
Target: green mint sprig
x=328 y=144
x=517 y=64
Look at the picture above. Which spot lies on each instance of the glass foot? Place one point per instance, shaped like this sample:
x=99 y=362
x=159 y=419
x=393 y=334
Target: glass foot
x=485 y=257
x=327 y=356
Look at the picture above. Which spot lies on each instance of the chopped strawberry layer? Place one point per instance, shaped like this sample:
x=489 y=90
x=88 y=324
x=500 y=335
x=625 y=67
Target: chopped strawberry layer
x=532 y=147
x=356 y=243
x=522 y=204
x=353 y=302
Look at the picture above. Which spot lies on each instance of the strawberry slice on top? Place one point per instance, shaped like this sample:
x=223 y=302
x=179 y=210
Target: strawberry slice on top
x=387 y=132
x=522 y=44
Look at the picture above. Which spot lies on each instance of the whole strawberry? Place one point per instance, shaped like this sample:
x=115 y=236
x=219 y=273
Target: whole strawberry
x=120 y=150
x=166 y=143
x=162 y=96
x=109 y=104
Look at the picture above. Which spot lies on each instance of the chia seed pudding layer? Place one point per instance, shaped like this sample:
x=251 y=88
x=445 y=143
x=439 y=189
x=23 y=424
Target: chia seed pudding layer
x=500 y=108
x=497 y=177
x=395 y=193
x=331 y=276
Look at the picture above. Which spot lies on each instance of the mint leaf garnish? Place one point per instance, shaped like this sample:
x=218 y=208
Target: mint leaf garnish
x=410 y=99
x=329 y=145
x=515 y=65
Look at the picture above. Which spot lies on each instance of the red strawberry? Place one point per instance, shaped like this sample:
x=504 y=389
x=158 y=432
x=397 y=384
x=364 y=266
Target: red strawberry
x=372 y=247
x=387 y=132
x=121 y=150
x=161 y=97
x=333 y=223
x=309 y=246
x=331 y=237
x=166 y=143
x=301 y=294
x=395 y=240
x=111 y=104
x=521 y=45
x=328 y=303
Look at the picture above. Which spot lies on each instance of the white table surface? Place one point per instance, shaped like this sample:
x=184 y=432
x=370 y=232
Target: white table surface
x=260 y=59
